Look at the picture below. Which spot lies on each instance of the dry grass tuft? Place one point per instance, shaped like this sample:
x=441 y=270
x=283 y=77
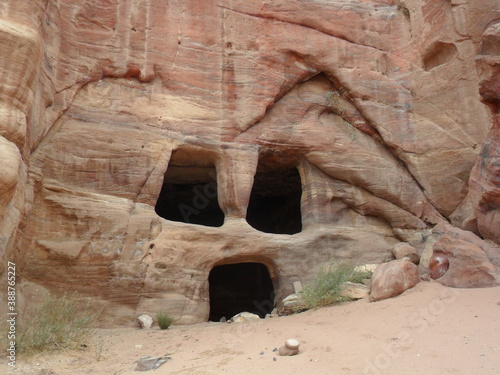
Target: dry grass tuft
x=325 y=289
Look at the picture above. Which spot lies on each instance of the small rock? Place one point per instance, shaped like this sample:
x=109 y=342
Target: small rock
x=354 y=290
x=146 y=321
x=276 y=349
x=261 y=353
x=223 y=319
x=290 y=348
x=403 y=249
x=150 y=363
x=292 y=304
x=244 y=317
x=285 y=351
x=274 y=359
x=292 y=343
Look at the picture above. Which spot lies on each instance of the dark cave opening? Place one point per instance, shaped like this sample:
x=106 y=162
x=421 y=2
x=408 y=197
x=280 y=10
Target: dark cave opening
x=275 y=201
x=240 y=287
x=189 y=195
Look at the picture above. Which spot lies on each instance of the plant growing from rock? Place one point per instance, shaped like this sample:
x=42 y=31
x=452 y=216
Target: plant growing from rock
x=164 y=319
x=326 y=288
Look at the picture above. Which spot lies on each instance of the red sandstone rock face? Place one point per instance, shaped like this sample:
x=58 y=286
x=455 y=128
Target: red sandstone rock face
x=375 y=103
x=485 y=177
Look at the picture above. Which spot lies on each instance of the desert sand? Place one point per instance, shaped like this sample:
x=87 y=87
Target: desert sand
x=429 y=329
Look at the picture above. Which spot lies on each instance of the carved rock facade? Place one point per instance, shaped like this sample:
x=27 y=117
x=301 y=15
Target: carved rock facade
x=145 y=142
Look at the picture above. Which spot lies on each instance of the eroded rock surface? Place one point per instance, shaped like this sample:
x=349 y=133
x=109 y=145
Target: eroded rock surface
x=116 y=113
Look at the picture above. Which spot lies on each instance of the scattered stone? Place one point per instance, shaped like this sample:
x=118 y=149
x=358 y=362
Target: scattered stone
x=290 y=348
x=404 y=249
x=150 y=363
x=393 y=278
x=146 y=321
x=261 y=353
x=292 y=304
x=223 y=319
x=244 y=317
x=274 y=359
x=354 y=291
x=276 y=349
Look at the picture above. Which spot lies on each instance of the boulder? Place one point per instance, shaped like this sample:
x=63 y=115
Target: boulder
x=393 y=278
x=403 y=249
x=461 y=264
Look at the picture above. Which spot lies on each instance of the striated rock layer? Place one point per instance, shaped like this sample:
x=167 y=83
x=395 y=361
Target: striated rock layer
x=145 y=142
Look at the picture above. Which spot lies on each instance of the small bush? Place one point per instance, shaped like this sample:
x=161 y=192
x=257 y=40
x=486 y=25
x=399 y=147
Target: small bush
x=327 y=286
x=164 y=320
x=57 y=323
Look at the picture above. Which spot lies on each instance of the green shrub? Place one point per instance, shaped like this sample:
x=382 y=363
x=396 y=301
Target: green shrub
x=164 y=320
x=57 y=323
x=325 y=289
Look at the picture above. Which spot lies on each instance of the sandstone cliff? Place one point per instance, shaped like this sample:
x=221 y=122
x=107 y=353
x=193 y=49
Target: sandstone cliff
x=115 y=113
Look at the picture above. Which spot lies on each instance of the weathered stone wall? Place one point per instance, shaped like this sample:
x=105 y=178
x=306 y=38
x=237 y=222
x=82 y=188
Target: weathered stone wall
x=376 y=102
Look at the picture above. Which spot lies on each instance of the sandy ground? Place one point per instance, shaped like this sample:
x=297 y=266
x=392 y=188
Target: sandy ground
x=428 y=330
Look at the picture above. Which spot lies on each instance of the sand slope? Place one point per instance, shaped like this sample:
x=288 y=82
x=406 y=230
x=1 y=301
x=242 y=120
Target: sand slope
x=429 y=330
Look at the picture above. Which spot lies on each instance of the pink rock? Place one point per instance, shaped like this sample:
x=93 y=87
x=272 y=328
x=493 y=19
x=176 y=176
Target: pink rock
x=485 y=176
x=393 y=278
x=468 y=264
x=438 y=265
x=403 y=249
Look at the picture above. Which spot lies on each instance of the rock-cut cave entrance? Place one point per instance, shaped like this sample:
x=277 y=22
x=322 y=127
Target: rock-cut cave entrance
x=275 y=201
x=240 y=287
x=189 y=190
